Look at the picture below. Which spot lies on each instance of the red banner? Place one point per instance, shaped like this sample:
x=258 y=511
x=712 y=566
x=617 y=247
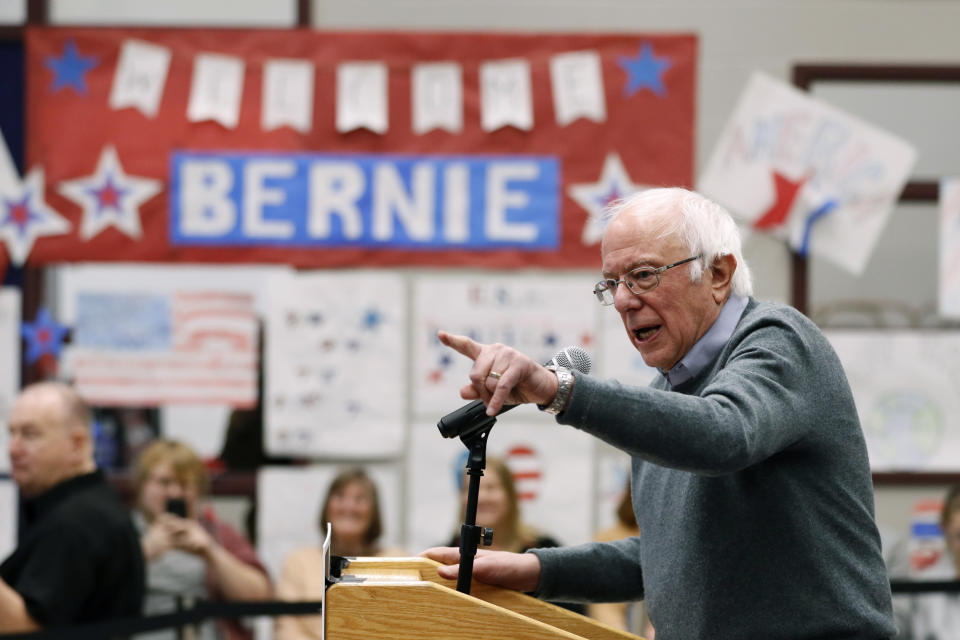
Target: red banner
x=107 y=170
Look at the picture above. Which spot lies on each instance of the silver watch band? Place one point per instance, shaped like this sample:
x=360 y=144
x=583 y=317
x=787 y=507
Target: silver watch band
x=564 y=389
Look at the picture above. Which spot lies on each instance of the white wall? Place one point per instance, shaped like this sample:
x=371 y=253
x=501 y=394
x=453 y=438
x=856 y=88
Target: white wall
x=221 y=13
x=13 y=12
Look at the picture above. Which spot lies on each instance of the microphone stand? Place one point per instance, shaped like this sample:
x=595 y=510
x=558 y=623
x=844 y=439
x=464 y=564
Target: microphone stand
x=471 y=535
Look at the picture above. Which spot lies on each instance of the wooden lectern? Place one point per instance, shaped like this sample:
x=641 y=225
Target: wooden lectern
x=405 y=598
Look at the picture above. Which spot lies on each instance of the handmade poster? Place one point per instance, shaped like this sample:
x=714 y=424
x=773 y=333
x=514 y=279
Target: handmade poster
x=9 y=364
x=290 y=500
x=823 y=179
x=538 y=314
x=906 y=385
x=216 y=88
x=156 y=335
x=140 y=76
x=552 y=467
x=437 y=97
x=949 y=290
x=335 y=365
x=439 y=149
x=287 y=94
x=362 y=96
x=927 y=546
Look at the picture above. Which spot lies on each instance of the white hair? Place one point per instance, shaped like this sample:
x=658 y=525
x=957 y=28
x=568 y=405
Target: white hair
x=703 y=226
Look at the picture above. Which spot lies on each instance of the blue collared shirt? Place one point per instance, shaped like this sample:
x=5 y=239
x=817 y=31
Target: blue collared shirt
x=709 y=345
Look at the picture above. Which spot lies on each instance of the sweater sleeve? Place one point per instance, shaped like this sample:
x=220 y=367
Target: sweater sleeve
x=591 y=572
x=762 y=396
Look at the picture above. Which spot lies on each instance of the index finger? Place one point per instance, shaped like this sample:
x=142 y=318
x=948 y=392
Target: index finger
x=460 y=344
x=443 y=555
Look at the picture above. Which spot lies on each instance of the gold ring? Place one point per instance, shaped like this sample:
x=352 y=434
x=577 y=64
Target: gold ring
x=494 y=374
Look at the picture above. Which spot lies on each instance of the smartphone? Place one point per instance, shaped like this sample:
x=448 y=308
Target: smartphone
x=177 y=506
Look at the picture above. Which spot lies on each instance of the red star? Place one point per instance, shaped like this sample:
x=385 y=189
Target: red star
x=20 y=214
x=586 y=339
x=436 y=376
x=786 y=193
x=108 y=196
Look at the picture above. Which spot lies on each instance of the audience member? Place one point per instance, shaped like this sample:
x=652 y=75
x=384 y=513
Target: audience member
x=78 y=559
x=352 y=508
x=191 y=555
x=498 y=507
x=936 y=616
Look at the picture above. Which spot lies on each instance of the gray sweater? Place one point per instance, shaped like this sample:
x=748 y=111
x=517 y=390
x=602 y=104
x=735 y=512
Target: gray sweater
x=751 y=486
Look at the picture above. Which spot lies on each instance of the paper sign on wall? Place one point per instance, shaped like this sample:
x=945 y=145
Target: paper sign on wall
x=335 y=365
x=793 y=165
x=535 y=314
x=140 y=77
x=906 y=385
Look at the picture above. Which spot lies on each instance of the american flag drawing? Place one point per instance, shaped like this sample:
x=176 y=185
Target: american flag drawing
x=146 y=349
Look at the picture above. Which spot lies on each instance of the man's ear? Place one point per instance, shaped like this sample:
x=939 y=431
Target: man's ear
x=81 y=439
x=721 y=272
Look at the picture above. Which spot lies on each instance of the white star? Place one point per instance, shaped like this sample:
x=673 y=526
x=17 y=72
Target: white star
x=25 y=216
x=110 y=197
x=614 y=184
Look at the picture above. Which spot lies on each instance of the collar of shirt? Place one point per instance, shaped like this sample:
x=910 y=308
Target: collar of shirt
x=32 y=509
x=709 y=345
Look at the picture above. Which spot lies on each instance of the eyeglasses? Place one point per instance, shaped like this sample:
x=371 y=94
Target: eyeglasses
x=640 y=280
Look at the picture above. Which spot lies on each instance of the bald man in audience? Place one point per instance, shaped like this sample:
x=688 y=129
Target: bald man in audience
x=78 y=557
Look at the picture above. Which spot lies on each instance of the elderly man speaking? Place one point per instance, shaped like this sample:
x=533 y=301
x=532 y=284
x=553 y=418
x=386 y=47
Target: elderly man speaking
x=751 y=483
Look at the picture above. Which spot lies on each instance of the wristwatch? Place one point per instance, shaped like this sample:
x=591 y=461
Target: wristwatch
x=564 y=389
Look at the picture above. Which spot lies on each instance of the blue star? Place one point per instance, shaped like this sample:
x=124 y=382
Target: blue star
x=43 y=336
x=644 y=71
x=70 y=69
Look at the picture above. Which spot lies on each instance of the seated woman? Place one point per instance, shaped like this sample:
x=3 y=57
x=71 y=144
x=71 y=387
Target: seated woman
x=498 y=508
x=352 y=508
x=190 y=554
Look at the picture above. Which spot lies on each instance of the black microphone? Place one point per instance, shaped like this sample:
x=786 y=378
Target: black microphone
x=474 y=414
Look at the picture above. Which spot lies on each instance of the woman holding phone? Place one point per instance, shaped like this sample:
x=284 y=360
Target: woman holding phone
x=190 y=554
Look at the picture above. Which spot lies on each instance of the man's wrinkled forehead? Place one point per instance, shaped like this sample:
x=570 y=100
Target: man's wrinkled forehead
x=652 y=224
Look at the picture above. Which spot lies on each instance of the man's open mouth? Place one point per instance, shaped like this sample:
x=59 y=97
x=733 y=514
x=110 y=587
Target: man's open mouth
x=646 y=333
